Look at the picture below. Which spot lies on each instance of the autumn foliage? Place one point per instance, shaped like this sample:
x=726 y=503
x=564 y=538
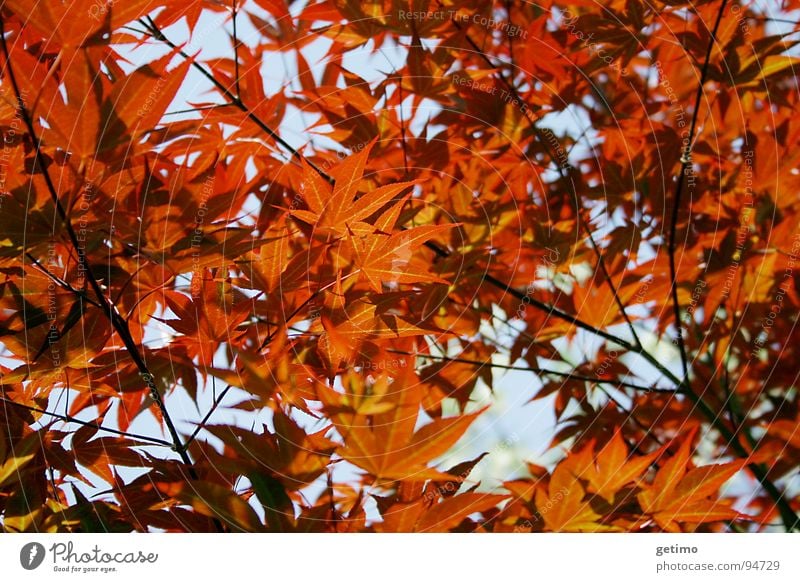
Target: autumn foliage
x=230 y=303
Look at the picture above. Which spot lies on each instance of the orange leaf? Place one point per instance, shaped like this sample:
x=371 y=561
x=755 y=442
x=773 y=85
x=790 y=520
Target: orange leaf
x=681 y=495
x=386 y=445
x=563 y=507
x=451 y=511
x=215 y=501
x=615 y=468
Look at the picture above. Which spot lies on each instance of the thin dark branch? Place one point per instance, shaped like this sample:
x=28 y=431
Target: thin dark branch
x=771 y=19
x=136 y=30
x=61 y=283
x=550 y=310
x=235 y=51
x=565 y=375
x=601 y=263
x=157 y=34
x=89 y=423
x=686 y=165
x=119 y=324
x=556 y=312
x=566 y=176
x=206 y=418
x=199 y=108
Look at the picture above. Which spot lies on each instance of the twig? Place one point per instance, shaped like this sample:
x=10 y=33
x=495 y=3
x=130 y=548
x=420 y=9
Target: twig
x=235 y=51
x=61 y=283
x=549 y=309
x=203 y=422
x=565 y=176
x=566 y=375
x=199 y=108
x=89 y=423
x=686 y=164
x=119 y=324
x=157 y=34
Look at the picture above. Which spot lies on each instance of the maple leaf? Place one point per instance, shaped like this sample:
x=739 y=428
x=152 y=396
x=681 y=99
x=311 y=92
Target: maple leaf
x=381 y=256
x=100 y=454
x=221 y=316
x=385 y=444
x=57 y=21
x=563 y=506
x=22 y=454
x=390 y=259
x=346 y=330
x=288 y=454
x=332 y=209
x=216 y=501
x=679 y=494
x=419 y=516
x=613 y=467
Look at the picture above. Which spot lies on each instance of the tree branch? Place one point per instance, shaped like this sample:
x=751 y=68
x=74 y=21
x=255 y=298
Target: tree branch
x=119 y=324
x=551 y=310
x=535 y=370
x=206 y=418
x=565 y=176
x=235 y=51
x=89 y=423
x=686 y=164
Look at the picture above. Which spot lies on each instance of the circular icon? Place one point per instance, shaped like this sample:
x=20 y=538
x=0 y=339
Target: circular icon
x=31 y=555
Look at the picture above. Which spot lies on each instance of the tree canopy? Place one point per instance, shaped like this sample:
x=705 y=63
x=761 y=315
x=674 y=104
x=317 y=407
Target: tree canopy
x=327 y=225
